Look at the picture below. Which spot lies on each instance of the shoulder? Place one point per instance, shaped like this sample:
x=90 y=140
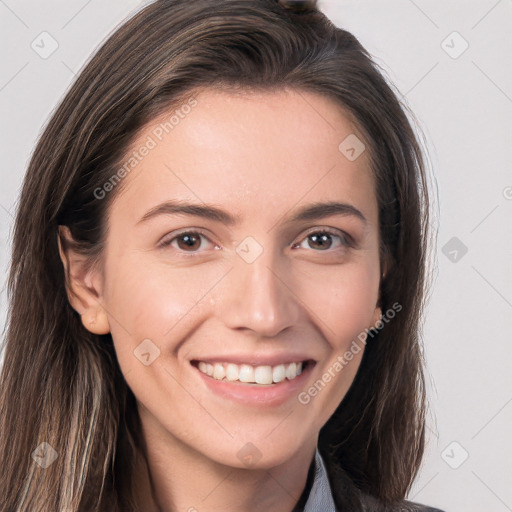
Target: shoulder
x=348 y=497
x=370 y=504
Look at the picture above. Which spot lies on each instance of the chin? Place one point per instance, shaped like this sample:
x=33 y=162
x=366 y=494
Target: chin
x=260 y=453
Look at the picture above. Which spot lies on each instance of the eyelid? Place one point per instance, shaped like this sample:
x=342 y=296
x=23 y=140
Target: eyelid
x=166 y=240
x=346 y=239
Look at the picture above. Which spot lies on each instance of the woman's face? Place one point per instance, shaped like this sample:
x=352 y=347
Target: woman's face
x=257 y=275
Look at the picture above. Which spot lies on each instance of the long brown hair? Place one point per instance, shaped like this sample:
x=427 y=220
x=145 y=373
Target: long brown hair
x=61 y=384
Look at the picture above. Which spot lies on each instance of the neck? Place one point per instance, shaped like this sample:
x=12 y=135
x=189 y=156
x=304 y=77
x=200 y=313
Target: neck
x=173 y=477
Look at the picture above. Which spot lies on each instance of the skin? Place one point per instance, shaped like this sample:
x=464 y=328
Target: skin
x=261 y=156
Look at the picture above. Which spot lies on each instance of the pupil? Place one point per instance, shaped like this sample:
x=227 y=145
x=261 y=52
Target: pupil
x=190 y=241
x=323 y=241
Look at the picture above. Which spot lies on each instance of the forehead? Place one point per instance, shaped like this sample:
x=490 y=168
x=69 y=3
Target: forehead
x=259 y=151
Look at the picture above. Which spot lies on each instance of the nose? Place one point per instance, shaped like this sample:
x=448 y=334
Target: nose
x=259 y=296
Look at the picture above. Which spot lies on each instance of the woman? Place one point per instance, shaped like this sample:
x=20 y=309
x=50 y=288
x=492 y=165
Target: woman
x=218 y=272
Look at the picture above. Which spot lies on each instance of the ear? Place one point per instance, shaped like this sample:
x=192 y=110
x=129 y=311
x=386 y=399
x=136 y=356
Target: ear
x=84 y=284
x=377 y=314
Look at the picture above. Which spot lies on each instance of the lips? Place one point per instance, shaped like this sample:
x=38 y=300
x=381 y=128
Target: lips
x=259 y=389
x=260 y=374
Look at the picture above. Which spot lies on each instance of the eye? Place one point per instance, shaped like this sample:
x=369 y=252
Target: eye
x=188 y=241
x=323 y=240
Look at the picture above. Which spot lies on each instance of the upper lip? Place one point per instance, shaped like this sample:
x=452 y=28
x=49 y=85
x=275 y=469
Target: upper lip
x=255 y=359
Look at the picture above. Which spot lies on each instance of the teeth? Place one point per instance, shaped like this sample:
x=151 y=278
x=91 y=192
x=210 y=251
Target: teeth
x=246 y=373
x=291 y=371
x=278 y=373
x=264 y=375
x=231 y=372
x=218 y=371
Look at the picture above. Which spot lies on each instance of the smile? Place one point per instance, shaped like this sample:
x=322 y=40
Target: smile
x=263 y=375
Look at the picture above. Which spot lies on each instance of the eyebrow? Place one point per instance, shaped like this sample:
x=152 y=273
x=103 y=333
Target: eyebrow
x=313 y=211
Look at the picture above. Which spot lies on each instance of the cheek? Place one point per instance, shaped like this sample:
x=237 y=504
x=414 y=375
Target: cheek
x=147 y=300
x=151 y=311
x=343 y=308
x=343 y=300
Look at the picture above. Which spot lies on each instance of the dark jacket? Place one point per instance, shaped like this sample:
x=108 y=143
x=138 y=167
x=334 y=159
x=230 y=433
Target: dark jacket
x=348 y=498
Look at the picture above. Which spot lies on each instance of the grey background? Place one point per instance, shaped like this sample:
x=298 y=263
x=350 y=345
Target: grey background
x=463 y=103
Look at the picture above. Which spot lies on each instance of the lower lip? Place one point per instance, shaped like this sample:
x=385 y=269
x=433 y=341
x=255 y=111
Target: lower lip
x=255 y=394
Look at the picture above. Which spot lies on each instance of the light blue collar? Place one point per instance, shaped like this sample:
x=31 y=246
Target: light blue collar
x=320 y=497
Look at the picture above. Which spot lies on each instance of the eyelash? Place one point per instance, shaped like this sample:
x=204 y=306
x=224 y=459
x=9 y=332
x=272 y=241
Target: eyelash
x=346 y=240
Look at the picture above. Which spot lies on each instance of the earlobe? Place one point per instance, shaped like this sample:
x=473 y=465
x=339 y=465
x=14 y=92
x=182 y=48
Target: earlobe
x=83 y=285
x=377 y=316
x=95 y=320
